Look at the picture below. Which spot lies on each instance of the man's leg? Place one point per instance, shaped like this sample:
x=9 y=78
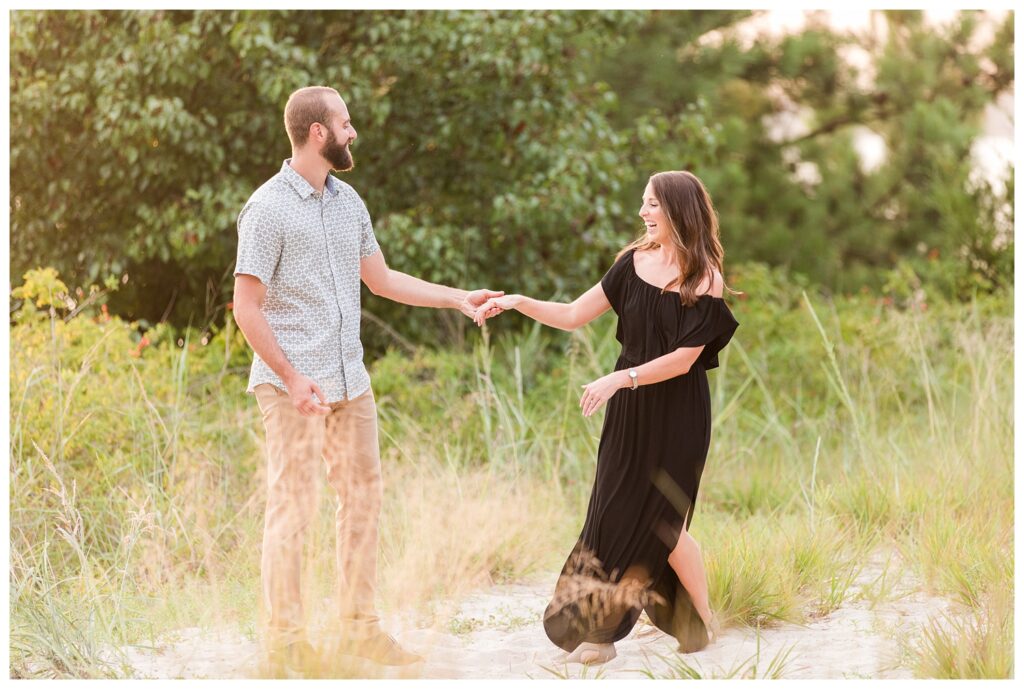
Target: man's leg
x=352 y=454
x=294 y=445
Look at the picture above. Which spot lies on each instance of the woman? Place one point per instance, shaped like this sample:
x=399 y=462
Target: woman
x=634 y=552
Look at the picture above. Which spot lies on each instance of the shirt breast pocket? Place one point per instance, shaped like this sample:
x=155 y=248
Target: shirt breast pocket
x=344 y=237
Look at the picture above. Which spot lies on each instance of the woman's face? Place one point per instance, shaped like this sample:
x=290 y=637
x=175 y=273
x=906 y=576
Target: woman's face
x=658 y=225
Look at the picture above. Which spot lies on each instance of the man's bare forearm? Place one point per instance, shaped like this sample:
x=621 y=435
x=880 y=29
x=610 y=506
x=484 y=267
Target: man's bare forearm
x=261 y=338
x=413 y=291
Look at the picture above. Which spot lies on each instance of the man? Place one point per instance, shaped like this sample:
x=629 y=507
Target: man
x=304 y=242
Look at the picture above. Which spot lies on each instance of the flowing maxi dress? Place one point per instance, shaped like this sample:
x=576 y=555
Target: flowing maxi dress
x=649 y=462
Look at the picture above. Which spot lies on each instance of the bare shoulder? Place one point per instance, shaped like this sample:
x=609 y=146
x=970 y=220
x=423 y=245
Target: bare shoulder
x=717 y=284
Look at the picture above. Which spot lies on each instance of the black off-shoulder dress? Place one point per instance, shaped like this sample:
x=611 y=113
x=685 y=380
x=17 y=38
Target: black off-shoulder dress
x=650 y=458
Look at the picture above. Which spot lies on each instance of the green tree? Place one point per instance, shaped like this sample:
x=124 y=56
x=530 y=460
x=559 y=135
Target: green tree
x=482 y=150
x=501 y=148
x=804 y=200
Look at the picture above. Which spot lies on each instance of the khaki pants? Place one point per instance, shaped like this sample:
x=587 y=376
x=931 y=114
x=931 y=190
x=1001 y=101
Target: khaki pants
x=346 y=439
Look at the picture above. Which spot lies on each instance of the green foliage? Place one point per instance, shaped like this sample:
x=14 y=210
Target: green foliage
x=802 y=198
x=42 y=286
x=477 y=133
x=501 y=148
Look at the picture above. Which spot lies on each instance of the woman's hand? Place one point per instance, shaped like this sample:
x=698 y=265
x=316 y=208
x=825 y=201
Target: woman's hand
x=475 y=299
x=601 y=390
x=492 y=307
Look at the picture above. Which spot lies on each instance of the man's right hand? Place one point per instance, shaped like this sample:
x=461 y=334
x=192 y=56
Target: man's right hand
x=495 y=305
x=301 y=390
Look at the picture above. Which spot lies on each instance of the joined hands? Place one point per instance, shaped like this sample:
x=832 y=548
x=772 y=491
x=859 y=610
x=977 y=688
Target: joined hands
x=475 y=300
x=495 y=305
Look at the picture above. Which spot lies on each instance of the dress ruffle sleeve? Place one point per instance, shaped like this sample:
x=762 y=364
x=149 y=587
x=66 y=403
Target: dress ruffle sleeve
x=613 y=282
x=710 y=324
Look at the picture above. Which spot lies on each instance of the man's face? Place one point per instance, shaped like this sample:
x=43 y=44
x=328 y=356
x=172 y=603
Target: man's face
x=340 y=133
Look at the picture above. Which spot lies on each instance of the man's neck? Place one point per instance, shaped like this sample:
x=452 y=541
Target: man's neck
x=312 y=167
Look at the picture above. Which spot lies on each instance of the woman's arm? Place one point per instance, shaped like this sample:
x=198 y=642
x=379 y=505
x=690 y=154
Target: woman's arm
x=667 y=366
x=670 y=365
x=584 y=309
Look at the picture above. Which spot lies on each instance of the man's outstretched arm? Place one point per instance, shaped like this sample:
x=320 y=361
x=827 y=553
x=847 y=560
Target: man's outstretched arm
x=406 y=289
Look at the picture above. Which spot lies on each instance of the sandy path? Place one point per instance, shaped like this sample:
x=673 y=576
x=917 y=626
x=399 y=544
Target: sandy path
x=497 y=634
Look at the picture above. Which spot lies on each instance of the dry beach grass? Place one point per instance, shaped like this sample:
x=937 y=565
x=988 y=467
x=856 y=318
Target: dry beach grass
x=858 y=496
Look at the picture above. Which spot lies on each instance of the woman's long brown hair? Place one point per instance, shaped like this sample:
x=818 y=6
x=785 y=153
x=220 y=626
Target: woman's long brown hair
x=694 y=231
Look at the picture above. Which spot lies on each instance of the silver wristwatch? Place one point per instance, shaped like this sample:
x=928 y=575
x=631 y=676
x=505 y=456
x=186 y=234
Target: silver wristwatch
x=632 y=377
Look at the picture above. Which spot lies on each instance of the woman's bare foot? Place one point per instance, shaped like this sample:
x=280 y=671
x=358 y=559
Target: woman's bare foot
x=592 y=654
x=713 y=626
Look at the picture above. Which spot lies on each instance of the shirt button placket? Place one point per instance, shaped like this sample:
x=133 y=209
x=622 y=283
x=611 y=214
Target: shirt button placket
x=338 y=293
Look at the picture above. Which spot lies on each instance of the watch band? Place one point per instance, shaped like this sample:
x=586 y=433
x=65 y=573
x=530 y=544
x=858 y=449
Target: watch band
x=633 y=377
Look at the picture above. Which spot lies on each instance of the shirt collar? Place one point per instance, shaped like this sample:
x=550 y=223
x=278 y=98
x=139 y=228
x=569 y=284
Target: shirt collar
x=304 y=188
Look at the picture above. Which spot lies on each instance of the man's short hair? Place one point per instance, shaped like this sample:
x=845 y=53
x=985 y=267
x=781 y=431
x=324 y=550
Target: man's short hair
x=304 y=107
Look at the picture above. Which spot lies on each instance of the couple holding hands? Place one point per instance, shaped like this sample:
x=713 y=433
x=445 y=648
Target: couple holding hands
x=305 y=241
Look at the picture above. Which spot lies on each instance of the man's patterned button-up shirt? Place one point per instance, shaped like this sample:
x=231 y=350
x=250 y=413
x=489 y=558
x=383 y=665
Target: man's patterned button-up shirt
x=305 y=247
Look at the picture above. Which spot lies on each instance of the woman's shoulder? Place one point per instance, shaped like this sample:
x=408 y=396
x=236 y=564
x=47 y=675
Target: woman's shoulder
x=714 y=286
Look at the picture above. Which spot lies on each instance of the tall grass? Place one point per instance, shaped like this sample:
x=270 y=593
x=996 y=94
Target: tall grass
x=840 y=426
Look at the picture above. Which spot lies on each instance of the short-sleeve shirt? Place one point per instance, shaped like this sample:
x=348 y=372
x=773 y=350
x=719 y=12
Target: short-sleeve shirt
x=305 y=246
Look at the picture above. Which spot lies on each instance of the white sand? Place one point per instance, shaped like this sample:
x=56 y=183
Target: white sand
x=497 y=633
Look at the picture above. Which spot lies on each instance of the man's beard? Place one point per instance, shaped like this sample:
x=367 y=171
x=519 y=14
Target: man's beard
x=337 y=155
